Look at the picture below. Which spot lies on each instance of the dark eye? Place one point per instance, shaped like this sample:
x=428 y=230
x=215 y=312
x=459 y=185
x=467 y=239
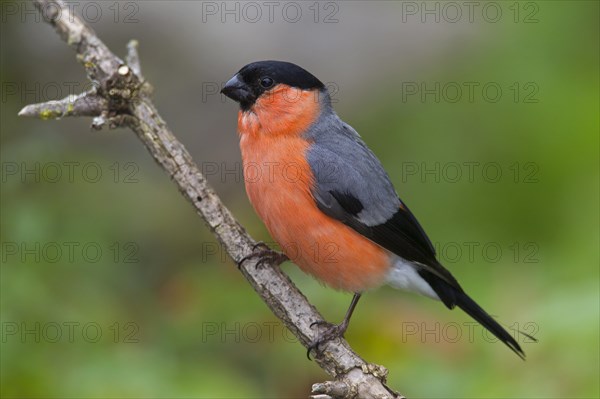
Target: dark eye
x=266 y=82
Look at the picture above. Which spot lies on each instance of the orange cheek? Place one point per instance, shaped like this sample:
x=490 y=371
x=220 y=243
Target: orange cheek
x=283 y=110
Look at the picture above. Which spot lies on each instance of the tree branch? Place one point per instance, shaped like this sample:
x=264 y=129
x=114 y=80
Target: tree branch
x=85 y=104
x=121 y=97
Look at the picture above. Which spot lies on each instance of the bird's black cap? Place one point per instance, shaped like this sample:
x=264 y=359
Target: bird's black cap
x=258 y=77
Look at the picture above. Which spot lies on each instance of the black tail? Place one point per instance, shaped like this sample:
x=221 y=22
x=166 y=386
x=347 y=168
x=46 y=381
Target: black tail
x=470 y=307
x=455 y=296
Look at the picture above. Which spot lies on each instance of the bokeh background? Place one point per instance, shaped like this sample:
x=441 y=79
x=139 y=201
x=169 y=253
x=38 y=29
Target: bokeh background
x=111 y=286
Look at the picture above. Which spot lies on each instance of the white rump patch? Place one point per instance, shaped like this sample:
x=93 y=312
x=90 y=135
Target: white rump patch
x=403 y=275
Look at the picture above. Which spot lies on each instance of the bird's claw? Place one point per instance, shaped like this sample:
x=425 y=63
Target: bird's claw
x=264 y=254
x=331 y=332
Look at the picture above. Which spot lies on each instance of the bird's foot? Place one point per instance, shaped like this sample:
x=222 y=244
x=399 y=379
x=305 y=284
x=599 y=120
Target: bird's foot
x=265 y=254
x=328 y=333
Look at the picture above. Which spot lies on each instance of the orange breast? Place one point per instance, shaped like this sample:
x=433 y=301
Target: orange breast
x=278 y=182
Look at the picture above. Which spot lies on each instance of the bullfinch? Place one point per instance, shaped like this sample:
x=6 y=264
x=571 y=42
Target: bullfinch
x=326 y=199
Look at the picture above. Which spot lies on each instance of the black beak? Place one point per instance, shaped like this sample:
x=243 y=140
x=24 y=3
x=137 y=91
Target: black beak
x=238 y=91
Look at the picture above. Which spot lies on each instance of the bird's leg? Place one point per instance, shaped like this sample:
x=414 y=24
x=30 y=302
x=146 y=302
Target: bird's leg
x=264 y=253
x=333 y=331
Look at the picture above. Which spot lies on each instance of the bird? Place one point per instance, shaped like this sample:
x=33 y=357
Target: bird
x=326 y=199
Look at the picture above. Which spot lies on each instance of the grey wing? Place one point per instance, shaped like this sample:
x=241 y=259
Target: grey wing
x=344 y=167
x=352 y=187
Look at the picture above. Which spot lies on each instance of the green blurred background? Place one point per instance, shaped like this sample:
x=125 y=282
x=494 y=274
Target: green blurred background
x=160 y=312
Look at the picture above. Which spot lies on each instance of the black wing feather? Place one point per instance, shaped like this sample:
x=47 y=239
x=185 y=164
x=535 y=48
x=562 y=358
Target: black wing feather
x=401 y=234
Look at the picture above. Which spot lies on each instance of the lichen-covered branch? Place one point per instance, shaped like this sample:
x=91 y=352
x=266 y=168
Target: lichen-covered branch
x=85 y=104
x=121 y=97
